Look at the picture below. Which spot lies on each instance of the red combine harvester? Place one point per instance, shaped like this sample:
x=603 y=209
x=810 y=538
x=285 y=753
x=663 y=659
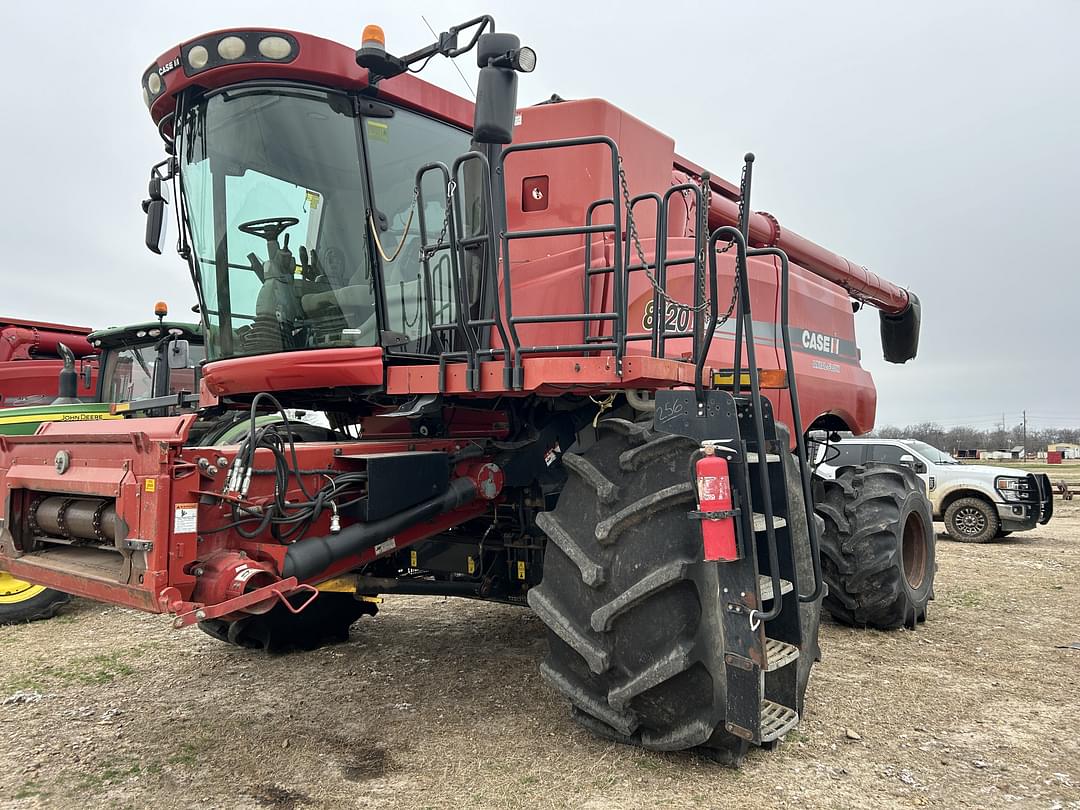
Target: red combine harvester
x=557 y=360
x=32 y=356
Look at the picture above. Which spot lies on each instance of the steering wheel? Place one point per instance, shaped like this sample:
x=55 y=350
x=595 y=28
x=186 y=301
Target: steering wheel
x=269 y=229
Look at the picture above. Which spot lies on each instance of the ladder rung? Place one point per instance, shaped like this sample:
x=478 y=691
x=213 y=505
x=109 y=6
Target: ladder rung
x=765 y=586
x=779 y=654
x=776 y=720
x=759 y=522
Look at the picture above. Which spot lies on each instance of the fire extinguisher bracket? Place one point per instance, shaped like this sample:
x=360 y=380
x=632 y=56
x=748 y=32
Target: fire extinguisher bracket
x=725 y=513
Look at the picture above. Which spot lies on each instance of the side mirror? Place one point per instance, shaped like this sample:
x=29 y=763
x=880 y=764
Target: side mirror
x=86 y=373
x=179 y=354
x=156 y=225
x=907 y=460
x=157 y=212
x=500 y=58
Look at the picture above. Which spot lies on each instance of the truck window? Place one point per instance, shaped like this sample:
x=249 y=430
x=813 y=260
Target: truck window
x=887 y=453
x=849 y=455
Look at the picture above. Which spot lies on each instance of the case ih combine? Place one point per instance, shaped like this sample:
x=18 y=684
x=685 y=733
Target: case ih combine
x=557 y=359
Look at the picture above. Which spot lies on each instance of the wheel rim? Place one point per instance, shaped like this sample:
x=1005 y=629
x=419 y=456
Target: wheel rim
x=970 y=521
x=13 y=591
x=915 y=550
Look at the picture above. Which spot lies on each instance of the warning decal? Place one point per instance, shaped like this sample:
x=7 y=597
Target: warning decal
x=184 y=519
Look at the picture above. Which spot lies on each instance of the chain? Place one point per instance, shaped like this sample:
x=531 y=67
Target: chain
x=431 y=250
x=631 y=229
x=735 y=283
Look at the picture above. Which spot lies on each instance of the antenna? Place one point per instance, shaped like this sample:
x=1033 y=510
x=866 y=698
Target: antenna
x=452 y=61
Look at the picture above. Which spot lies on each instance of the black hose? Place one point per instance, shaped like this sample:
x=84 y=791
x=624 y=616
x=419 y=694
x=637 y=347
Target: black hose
x=314 y=555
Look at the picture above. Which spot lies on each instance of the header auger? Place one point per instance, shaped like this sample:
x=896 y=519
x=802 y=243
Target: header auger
x=551 y=357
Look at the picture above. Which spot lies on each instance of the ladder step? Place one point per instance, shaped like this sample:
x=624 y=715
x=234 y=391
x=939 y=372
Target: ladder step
x=765 y=586
x=759 y=522
x=776 y=720
x=779 y=654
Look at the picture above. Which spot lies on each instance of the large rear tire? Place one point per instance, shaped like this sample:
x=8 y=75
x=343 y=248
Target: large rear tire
x=325 y=621
x=22 y=601
x=634 y=613
x=877 y=551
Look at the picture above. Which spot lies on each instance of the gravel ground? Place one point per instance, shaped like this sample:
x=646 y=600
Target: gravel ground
x=438 y=703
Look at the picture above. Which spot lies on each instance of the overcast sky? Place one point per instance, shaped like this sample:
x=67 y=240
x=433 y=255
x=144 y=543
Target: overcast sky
x=938 y=143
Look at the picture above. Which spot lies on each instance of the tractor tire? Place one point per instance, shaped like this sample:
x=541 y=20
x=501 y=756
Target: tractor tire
x=22 y=601
x=971 y=520
x=324 y=622
x=633 y=612
x=877 y=550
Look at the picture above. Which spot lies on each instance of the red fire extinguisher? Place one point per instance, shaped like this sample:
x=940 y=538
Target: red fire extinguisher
x=714 y=506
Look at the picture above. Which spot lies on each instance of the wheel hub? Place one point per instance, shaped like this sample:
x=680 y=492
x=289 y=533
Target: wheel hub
x=915 y=551
x=970 y=521
x=13 y=591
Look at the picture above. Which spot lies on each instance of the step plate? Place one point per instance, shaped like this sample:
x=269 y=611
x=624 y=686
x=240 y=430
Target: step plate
x=765 y=587
x=776 y=720
x=779 y=654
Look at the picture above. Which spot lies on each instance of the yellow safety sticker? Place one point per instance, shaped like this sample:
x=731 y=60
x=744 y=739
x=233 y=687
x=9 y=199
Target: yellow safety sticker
x=312 y=198
x=521 y=569
x=150 y=485
x=378 y=131
x=412 y=559
x=472 y=565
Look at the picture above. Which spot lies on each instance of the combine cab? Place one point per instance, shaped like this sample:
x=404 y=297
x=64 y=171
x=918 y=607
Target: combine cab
x=561 y=365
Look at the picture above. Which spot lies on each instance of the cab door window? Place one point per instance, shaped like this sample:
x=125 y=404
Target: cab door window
x=397 y=147
x=887 y=453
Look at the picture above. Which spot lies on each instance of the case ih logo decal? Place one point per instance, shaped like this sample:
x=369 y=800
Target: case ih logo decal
x=820 y=343
x=172 y=64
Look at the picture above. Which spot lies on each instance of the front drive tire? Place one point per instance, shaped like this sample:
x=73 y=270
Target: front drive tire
x=972 y=520
x=324 y=622
x=877 y=551
x=633 y=611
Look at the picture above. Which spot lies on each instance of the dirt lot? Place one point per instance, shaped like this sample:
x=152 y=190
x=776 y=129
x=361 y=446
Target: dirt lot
x=438 y=704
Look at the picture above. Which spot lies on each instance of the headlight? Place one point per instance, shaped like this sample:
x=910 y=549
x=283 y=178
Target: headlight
x=198 y=56
x=237 y=47
x=231 y=48
x=1011 y=489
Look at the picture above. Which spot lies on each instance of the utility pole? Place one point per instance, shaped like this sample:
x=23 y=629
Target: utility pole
x=1025 y=435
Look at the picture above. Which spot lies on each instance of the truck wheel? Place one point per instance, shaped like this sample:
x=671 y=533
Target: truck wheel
x=325 y=621
x=22 y=601
x=631 y=607
x=877 y=551
x=971 y=520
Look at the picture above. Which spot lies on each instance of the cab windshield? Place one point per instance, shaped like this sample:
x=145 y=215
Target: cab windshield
x=274 y=191
x=932 y=453
x=130 y=370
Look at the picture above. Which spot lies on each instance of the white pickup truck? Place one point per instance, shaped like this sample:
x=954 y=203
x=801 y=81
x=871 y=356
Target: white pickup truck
x=977 y=502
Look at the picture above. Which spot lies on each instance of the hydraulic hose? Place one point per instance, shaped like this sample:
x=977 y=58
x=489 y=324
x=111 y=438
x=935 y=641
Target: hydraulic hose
x=314 y=555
